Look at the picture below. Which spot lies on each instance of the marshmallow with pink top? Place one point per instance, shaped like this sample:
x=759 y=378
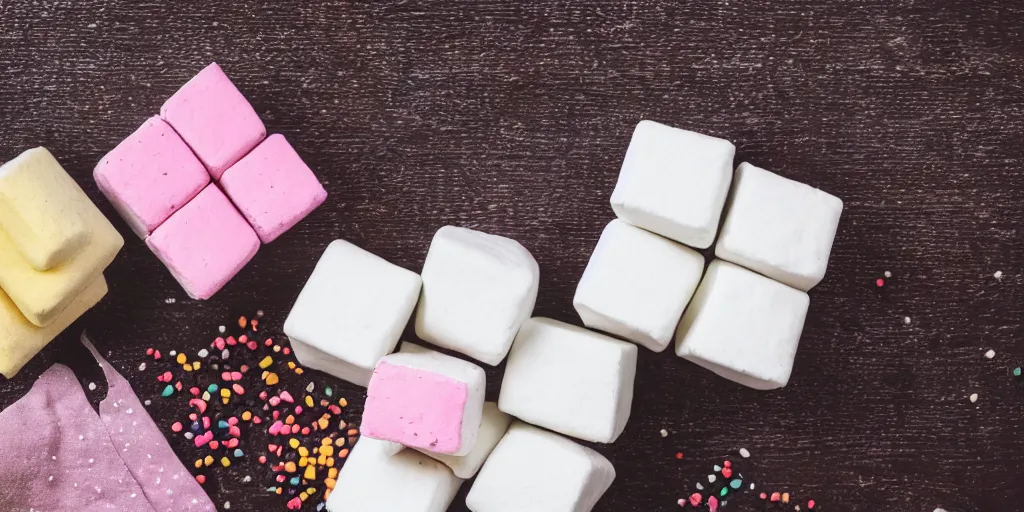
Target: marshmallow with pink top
x=425 y=400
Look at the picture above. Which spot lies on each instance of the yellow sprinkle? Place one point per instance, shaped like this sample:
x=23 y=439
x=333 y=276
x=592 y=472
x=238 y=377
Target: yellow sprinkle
x=325 y=441
x=294 y=443
x=327 y=450
x=303 y=461
x=303 y=452
x=224 y=461
x=302 y=496
x=310 y=473
x=329 y=482
x=208 y=460
x=272 y=379
x=199 y=463
x=343 y=402
x=291 y=365
x=298 y=371
x=311 y=491
x=322 y=459
x=246 y=416
x=196 y=365
x=277 y=348
x=187 y=367
x=332 y=473
x=309 y=401
x=330 y=462
x=289 y=466
x=785 y=497
x=181 y=359
x=339 y=442
x=279 y=490
x=327 y=494
x=225 y=400
x=266 y=362
x=225 y=392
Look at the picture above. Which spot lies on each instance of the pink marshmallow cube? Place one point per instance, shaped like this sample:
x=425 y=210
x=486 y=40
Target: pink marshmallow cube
x=150 y=175
x=213 y=117
x=425 y=400
x=205 y=243
x=273 y=188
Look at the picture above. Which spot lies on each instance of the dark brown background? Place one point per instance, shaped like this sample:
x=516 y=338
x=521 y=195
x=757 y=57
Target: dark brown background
x=513 y=118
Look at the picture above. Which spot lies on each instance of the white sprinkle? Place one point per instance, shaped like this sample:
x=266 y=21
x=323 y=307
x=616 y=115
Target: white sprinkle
x=906 y=320
x=115 y=404
x=92 y=386
x=259 y=313
x=170 y=492
x=744 y=453
x=998 y=275
x=222 y=329
x=309 y=388
x=54 y=457
x=974 y=397
x=225 y=354
x=247 y=479
x=990 y=354
x=90 y=461
x=133 y=495
x=700 y=487
x=148 y=402
x=188 y=435
x=712 y=478
x=174 y=353
x=157 y=480
x=227 y=505
x=797 y=508
x=888 y=274
x=214 y=366
x=91 y=25
x=170 y=300
x=203 y=353
x=129 y=411
x=142 y=367
x=50 y=479
x=81 y=437
x=751 y=487
x=664 y=433
x=940 y=510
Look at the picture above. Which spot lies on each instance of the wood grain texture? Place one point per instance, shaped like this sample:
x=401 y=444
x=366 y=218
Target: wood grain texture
x=513 y=117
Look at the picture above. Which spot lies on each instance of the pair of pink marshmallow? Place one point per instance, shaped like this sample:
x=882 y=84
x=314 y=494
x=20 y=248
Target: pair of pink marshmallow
x=159 y=181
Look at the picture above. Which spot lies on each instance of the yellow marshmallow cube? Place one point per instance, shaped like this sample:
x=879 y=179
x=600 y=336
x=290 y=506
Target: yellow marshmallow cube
x=20 y=340
x=43 y=295
x=41 y=210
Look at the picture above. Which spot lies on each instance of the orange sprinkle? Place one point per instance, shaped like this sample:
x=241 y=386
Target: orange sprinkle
x=242 y=322
x=289 y=466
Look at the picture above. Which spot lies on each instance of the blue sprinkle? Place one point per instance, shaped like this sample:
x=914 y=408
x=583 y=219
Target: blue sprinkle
x=271 y=489
x=736 y=483
x=222 y=424
x=717 y=468
x=294 y=481
x=238 y=452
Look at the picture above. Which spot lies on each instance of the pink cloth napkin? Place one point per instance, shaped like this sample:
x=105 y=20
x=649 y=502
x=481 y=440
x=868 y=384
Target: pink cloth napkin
x=59 y=456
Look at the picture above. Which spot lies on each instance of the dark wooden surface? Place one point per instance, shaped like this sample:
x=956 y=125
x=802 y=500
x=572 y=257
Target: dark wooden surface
x=513 y=117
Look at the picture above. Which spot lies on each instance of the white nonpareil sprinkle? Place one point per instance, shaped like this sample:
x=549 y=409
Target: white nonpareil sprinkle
x=174 y=352
x=81 y=437
x=700 y=487
x=906 y=320
x=227 y=505
x=888 y=274
x=133 y=495
x=50 y=479
x=188 y=435
x=751 y=487
x=129 y=411
x=203 y=353
x=998 y=275
x=92 y=386
x=744 y=453
x=990 y=354
x=712 y=478
x=148 y=402
x=974 y=397
x=222 y=329
x=664 y=433
x=142 y=367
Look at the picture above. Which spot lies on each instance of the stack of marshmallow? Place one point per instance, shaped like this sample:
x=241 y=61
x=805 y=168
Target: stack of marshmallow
x=159 y=180
x=54 y=246
x=426 y=426
x=748 y=311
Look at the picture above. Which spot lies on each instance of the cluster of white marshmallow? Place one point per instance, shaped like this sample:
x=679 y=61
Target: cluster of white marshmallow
x=743 y=319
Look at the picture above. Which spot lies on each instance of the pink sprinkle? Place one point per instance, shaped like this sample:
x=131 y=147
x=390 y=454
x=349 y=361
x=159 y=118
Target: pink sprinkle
x=214 y=445
x=681 y=502
x=206 y=422
x=166 y=377
x=231 y=443
x=727 y=464
x=810 y=504
x=243 y=339
x=764 y=496
x=177 y=385
x=287 y=351
x=149 y=351
x=712 y=503
x=294 y=503
x=256 y=420
x=263 y=459
x=279 y=450
x=236 y=375
x=298 y=410
x=269 y=342
x=239 y=390
x=232 y=340
x=233 y=420
x=287 y=397
x=226 y=376
x=695 y=499
x=280 y=478
x=176 y=427
x=234 y=431
x=275 y=429
x=276 y=415
x=193 y=416
x=775 y=496
x=263 y=395
x=252 y=345
x=305 y=430
x=219 y=343
x=244 y=368
x=202 y=439
x=274 y=401
x=156 y=355
x=335 y=410
x=194 y=391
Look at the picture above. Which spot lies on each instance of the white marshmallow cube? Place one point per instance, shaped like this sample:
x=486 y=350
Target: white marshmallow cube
x=570 y=380
x=373 y=480
x=493 y=426
x=779 y=227
x=743 y=326
x=539 y=471
x=425 y=400
x=477 y=290
x=351 y=312
x=637 y=285
x=674 y=183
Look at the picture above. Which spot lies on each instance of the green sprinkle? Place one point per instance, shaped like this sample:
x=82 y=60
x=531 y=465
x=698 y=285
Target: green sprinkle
x=736 y=483
x=213 y=388
x=168 y=391
x=271 y=489
x=725 y=490
x=330 y=392
x=1016 y=372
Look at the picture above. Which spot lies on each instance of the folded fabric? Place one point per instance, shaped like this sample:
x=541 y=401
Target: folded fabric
x=61 y=456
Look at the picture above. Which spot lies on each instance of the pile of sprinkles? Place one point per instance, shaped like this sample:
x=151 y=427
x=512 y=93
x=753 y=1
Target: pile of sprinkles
x=727 y=482
x=239 y=404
